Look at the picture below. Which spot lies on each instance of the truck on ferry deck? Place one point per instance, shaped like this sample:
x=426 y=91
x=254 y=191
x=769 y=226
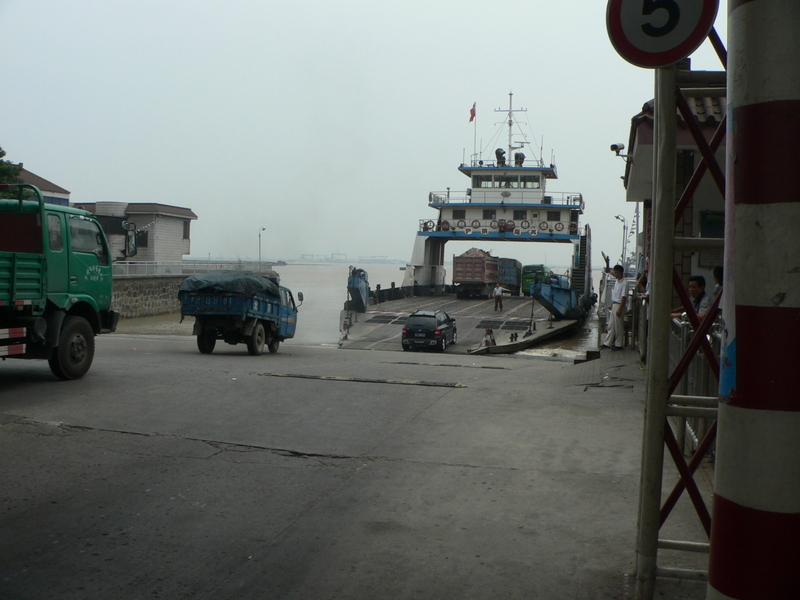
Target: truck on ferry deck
x=475 y=273
x=510 y=275
x=55 y=282
x=532 y=274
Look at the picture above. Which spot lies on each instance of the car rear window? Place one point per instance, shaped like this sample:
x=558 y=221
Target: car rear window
x=420 y=321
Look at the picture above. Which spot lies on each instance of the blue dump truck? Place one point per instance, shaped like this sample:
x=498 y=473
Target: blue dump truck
x=238 y=307
x=509 y=273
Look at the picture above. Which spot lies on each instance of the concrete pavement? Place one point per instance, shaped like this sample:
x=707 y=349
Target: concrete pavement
x=170 y=474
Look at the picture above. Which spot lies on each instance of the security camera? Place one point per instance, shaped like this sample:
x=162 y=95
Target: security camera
x=617 y=148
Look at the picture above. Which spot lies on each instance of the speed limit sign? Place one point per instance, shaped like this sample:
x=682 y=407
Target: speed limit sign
x=658 y=33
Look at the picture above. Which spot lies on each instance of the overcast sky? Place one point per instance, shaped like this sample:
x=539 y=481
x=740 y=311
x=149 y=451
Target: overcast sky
x=326 y=122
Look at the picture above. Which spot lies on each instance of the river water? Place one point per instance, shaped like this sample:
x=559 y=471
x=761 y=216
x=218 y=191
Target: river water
x=324 y=287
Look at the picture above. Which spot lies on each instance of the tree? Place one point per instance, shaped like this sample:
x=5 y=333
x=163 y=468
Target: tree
x=9 y=173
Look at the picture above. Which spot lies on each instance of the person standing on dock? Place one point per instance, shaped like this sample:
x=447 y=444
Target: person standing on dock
x=498 y=296
x=615 y=338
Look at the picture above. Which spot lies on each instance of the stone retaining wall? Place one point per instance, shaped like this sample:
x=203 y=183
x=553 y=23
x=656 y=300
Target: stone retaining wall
x=146 y=296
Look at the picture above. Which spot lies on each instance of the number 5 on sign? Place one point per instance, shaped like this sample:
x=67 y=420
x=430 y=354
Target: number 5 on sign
x=658 y=33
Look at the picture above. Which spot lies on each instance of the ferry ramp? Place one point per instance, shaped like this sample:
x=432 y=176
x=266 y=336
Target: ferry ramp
x=381 y=326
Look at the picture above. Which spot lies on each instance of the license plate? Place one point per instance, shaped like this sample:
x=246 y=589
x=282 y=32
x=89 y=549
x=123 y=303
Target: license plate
x=420 y=335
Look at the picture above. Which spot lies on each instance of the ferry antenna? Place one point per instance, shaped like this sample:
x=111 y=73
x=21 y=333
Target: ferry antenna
x=510 y=112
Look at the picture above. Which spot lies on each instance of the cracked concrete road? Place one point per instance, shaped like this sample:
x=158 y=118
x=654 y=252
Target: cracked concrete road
x=169 y=474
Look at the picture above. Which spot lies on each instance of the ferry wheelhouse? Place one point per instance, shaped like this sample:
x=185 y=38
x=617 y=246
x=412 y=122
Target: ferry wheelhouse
x=507 y=200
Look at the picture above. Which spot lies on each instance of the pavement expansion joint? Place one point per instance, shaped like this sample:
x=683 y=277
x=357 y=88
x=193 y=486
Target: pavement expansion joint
x=447 y=384
x=421 y=364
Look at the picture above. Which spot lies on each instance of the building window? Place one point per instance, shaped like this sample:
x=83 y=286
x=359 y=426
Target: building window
x=712 y=225
x=520 y=215
x=142 y=238
x=459 y=213
x=186 y=229
x=489 y=214
x=553 y=215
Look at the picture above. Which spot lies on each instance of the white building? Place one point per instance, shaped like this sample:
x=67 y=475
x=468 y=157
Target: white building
x=163 y=231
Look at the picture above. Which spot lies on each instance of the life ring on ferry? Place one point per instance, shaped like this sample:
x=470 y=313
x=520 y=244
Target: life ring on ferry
x=428 y=225
x=559 y=226
x=573 y=227
x=445 y=225
x=510 y=225
x=462 y=223
x=525 y=225
x=493 y=224
x=476 y=224
x=543 y=225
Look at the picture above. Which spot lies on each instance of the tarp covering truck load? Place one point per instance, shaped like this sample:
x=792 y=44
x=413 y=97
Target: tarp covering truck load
x=238 y=307
x=55 y=282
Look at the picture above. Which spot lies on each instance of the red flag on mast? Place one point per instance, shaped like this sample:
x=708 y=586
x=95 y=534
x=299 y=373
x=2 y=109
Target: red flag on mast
x=472 y=112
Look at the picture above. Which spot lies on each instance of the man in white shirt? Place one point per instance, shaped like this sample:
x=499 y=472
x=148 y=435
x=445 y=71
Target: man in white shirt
x=615 y=337
x=498 y=296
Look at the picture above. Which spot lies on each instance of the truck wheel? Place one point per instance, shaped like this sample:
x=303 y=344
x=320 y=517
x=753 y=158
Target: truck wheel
x=273 y=346
x=255 y=343
x=206 y=340
x=75 y=352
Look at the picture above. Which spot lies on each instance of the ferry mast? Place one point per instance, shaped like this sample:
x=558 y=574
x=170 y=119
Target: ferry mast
x=510 y=120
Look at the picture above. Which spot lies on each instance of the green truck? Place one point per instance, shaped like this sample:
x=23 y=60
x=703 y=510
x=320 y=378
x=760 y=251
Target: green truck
x=55 y=282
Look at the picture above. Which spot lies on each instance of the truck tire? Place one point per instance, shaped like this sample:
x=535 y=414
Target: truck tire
x=75 y=352
x=273 y=345
x=206 y=340
x=255 y=343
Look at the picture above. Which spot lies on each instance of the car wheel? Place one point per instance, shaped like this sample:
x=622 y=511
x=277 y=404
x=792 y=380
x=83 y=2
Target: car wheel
x=206 y=340
x=255 y=343
x=455 y=337
x=75 y=352
x=273 y=345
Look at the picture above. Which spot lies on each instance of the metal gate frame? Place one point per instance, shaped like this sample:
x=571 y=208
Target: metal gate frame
x=672 y=88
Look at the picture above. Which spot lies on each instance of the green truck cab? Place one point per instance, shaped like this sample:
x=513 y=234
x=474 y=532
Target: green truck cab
x=55 y=282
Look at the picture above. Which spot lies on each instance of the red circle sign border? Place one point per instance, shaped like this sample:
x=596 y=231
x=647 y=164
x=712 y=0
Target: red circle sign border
x=652 y=60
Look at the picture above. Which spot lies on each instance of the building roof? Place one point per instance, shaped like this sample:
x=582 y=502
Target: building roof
x=145 y=208
x=150 y=208
x=40 y=182
x=708 y=110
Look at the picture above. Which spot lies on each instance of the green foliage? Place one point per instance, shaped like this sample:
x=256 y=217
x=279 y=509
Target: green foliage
x=9 y=173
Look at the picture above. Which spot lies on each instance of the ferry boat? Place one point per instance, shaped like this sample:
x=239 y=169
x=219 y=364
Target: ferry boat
x=507 y=200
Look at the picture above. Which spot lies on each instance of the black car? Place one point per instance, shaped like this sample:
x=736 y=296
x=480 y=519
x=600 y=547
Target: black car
x=429 y=329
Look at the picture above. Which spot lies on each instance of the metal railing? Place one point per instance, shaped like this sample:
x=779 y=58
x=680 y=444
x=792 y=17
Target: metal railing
x=183 y=268
x=698 y=381
x=572 y=200
x=503 y=225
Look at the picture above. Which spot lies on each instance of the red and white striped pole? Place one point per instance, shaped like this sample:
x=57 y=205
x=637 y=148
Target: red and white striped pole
x=755 y=533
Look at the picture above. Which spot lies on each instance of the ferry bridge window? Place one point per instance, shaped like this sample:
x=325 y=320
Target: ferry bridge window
x=506 y=181
x=520 y=215
x=553 y=215
x=530 y=181
x=489 y=214
x=479 y=181
x=459 y=213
